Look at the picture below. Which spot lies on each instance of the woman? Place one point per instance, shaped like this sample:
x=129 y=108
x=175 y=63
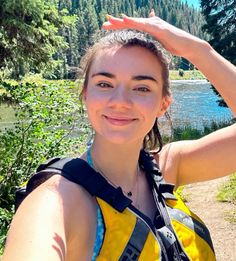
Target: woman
x=125 y=91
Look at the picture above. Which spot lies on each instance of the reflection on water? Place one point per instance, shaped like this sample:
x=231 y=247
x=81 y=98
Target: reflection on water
x=195 y=103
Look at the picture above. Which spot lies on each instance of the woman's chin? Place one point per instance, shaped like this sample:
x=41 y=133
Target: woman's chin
x=120 y=139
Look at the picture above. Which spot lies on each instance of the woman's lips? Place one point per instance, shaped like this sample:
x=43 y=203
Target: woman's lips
x=119 y=121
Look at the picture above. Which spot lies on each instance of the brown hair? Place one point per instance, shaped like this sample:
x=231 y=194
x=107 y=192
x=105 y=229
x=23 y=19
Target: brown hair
x=127 y=39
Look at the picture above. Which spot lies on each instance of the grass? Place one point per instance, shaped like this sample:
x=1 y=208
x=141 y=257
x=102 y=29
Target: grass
x=231 y=217
x=227 y=193
x=186 y=75
x=190 y=133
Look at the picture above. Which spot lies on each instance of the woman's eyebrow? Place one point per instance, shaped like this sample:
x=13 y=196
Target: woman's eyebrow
x=135 y=78
x=144 y=77
x=106 y=74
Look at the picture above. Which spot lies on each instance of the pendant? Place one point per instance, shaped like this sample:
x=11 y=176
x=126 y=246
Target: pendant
x=129 y=194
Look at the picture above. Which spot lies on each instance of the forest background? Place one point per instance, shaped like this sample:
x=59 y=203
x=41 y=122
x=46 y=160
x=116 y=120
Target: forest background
x=43 y=41
x=50 y=37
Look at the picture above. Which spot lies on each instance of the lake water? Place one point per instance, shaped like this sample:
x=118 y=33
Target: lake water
x=194 y=104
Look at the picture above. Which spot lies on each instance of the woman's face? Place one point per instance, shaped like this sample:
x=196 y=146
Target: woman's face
x=124 y=94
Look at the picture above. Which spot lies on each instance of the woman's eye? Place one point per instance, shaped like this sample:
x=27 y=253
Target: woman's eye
x=142 y=89
x=104 y=85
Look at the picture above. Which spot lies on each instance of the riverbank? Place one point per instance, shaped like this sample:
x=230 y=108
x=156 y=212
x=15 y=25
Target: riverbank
x=186 y=75
x=174 y=75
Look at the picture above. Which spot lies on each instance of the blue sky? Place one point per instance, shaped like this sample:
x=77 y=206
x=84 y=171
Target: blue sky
x=195 y=3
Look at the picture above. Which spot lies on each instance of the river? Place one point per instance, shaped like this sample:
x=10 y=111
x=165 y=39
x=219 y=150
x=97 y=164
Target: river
x=194 y=103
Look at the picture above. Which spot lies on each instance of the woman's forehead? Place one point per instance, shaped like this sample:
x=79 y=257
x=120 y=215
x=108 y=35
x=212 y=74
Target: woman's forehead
x=130 y=58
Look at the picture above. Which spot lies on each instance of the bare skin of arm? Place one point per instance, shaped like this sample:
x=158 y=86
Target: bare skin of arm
x=59 y=227
x=210 y=157
x=213 y=155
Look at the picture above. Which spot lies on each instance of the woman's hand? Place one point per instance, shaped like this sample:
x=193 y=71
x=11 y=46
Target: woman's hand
x=175 y=40
x=219 y=71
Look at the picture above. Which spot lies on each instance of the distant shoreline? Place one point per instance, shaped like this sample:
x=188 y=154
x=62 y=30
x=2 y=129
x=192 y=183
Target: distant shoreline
x=186 y=75
x=187 y=81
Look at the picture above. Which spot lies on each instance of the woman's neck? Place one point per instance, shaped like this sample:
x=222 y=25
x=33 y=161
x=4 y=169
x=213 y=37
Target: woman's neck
x=119 y=163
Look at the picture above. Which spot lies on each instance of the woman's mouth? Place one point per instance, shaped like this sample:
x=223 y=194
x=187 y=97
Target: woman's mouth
x=119 y=121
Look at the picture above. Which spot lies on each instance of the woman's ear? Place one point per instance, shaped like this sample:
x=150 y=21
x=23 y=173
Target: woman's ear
x=166 y=102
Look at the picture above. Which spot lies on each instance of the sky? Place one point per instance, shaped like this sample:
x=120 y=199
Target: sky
x=195 y=3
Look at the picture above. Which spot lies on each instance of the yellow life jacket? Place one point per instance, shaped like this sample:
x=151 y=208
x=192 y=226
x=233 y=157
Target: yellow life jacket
x=175 y=233
x=128 y=235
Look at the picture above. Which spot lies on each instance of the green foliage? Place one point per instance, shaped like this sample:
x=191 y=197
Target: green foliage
x=48 y=123
x=189 y=133
x=52 y=36
x=5 y=219
x=186 y=133
x=220 y=24
x=29 y=34
x=186 y=75
x=227 y=192
x=87 y=26
x=181 y=72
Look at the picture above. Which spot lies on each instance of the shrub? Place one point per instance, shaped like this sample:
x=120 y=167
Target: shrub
x=181 y=72
x=189 y=133
x=227 y=192
x=47 y=117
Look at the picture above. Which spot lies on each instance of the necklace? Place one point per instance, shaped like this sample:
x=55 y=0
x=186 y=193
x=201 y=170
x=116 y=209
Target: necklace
x=128 y=193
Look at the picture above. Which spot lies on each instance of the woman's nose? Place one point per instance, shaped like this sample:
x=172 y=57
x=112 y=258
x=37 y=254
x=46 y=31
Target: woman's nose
x=121 y=97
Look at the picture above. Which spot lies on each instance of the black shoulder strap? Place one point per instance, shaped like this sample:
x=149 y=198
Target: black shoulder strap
x=155 y=177
x=161 y=191
x=79 y=171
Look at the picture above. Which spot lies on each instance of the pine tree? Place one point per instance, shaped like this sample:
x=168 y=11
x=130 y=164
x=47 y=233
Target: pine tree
x=221 y=25
x=53 y=20
x=87 y=27
x=28 y=34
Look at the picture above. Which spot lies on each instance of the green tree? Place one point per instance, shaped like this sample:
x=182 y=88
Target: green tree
x=220 y=24
x=29 y=34
x=87 y=26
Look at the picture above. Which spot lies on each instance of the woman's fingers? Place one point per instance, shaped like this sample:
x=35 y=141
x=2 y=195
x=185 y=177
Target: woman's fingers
x=175 y=40
x=126 y=22
x=152 y=13
x=113 y=23
x=110 y=26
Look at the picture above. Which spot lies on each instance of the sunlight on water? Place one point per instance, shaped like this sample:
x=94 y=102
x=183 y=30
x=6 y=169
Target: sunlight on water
x=195 y=104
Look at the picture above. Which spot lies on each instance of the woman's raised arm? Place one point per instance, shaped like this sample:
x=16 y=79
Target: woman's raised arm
x=212 y=156
x=220 y=72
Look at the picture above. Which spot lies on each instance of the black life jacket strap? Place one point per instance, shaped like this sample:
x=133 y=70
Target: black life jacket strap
x=136 y=241
x=79 y=171
x=162 y=191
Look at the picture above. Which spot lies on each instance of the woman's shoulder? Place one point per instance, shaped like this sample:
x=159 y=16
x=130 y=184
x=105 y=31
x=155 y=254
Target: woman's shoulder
x=52 y=218
x=168 y=160
x=73 y=203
